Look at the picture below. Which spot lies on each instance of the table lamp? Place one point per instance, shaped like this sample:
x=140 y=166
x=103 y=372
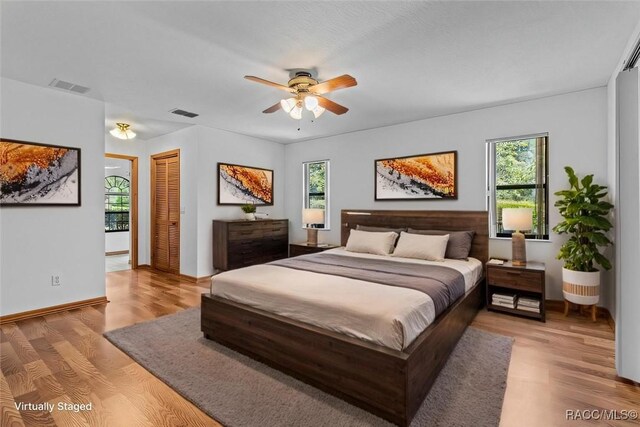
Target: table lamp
x=517 y=219
x=312 y=217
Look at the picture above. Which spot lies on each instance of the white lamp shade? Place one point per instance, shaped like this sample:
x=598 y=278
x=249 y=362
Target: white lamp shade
x=313 y=216
x=288 y=104
x=517 y=219
x=310 y=102
x=296 y=112
x=317 y=112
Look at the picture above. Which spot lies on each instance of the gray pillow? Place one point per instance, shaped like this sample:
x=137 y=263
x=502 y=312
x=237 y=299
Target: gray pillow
x=379 y=229
x=459 y=244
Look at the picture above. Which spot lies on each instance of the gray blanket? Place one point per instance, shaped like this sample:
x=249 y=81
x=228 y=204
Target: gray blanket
x=443 y=284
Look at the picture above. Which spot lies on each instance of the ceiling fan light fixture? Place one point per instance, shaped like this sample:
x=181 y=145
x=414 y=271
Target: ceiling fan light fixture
x=288 y=104
x=122 y=131
x=296 y=112
x=317 y=112
x=310 y=102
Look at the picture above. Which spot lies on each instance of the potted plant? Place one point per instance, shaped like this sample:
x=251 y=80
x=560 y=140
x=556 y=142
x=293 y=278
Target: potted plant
x=585 y=221
x=249 y=211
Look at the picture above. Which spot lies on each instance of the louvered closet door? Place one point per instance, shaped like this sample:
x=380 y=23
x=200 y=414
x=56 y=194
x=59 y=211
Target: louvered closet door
x=165 y=181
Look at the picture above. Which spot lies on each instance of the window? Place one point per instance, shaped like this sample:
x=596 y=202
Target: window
x=316 y=189
x=518 y=176
x=116 y=204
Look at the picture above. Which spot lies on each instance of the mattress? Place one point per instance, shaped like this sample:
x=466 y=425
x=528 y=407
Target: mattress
x=390 y=316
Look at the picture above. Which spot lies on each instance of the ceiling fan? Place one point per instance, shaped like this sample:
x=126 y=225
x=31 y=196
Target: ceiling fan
x=307 y=93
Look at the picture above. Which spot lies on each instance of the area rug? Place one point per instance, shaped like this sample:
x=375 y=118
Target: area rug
x=237 y=391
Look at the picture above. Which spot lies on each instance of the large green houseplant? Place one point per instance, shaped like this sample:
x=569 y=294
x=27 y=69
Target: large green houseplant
x=584 y=211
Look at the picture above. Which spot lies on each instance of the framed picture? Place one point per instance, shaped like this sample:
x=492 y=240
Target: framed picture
x=239 y=185
x=423 y=177
x=33 y=174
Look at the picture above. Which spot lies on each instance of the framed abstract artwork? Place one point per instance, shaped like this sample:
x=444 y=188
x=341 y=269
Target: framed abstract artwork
x=431 y=176
x=34 y=174
x=239 y=185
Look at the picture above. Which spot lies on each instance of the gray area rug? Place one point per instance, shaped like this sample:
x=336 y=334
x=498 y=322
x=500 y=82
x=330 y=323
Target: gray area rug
x=238 y=391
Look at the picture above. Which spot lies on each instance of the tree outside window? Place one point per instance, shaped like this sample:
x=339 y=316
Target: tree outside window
x=518 y=179
x=316 y=191
x=116 y=203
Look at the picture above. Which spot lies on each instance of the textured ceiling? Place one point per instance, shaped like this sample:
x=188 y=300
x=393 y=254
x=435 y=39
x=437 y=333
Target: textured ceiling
x=412 y=60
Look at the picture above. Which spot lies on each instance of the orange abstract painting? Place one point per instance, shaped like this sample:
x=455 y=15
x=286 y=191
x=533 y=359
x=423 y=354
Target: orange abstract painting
x=38 y=174
x=425 y=176
x=238 y=185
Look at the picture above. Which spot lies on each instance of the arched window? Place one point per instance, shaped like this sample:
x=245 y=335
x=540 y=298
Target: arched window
x=116 y=203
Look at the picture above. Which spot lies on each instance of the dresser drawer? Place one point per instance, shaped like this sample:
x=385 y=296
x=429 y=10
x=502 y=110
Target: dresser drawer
x=247 y=233
x=246 y=245
x=277 y=230
x=239 y=244
x=524 y=280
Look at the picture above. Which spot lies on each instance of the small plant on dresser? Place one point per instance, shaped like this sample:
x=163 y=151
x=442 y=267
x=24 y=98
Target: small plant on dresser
x=249 y=211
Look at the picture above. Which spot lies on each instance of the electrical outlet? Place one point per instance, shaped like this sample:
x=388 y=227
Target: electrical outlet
x=55 y=281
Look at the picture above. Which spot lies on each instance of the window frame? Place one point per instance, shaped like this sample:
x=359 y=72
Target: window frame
x=306 y=194
x=492 y=189
x=114 y=212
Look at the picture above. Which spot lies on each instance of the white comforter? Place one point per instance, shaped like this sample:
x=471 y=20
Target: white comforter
x=386 y=315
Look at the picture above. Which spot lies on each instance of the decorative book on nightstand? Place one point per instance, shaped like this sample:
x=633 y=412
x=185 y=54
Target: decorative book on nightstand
x=518 y=290
x=297 y=249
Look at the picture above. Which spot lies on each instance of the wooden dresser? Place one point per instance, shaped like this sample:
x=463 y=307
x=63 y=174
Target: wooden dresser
x=240 y=243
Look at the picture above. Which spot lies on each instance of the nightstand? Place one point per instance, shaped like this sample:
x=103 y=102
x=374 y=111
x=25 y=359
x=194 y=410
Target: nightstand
x=526 y=282
x=297 y=249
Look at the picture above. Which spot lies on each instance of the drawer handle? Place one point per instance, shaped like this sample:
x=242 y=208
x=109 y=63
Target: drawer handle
x=512 y=273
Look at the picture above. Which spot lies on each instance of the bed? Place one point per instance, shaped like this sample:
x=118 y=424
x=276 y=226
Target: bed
x=386 y=368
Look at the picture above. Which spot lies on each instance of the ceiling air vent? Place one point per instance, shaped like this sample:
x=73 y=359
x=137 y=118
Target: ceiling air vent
x=183 y=113
x=71 y=87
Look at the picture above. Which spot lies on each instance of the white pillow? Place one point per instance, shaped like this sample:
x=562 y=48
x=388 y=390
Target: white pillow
x=421 y=246
x=371 y=242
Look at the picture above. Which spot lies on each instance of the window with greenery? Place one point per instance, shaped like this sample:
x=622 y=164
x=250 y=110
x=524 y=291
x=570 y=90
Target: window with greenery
x=518 y=176
x=116 y=204
x=316 y=189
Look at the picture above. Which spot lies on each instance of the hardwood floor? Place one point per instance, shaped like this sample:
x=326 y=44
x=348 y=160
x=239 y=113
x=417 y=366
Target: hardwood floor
x=566 y=363
x=64 y=358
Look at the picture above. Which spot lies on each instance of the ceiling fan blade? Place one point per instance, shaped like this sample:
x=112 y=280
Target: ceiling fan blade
x=275 y=107
x=331 y=106
x=341 y=82
x=268 y=83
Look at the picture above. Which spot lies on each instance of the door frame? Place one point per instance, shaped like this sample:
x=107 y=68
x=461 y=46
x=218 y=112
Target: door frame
x=152 y=202
x=133 y=211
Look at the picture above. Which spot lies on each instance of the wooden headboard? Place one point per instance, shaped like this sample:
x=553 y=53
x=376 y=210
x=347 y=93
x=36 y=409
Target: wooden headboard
x=477 y=221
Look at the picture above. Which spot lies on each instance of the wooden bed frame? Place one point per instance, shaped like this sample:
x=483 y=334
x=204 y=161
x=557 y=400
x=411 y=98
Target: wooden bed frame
x=389 y=383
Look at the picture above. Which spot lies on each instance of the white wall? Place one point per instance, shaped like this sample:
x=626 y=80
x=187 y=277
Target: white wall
x=201 y=148
x=577 y=126
x=38 y=242
x=220 y=146
x=116 y=241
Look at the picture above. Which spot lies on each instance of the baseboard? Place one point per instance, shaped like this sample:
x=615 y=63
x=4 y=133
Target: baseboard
x=197 y=280
x=117 y=253
x=558 y=305
x=53 y=309
x=185 y=277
